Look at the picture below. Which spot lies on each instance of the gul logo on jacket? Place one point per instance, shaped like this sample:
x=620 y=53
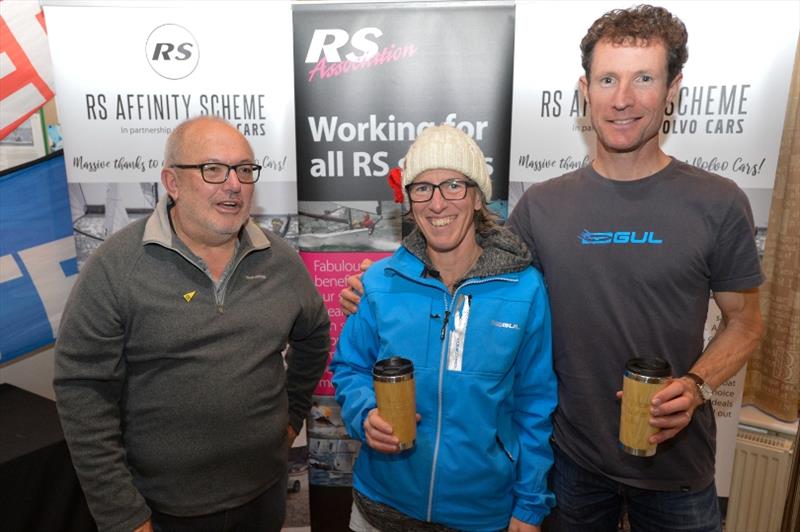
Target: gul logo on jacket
x=619 y=237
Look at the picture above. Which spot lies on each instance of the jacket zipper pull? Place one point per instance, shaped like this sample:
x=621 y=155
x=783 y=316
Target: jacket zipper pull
x=503 y=447
x=444 y=324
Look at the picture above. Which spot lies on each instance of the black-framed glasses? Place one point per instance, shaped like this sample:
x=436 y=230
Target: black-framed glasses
x=216 y=173
x=452 y=189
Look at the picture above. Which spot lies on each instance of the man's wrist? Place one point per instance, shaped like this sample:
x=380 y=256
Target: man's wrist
x=701 y=388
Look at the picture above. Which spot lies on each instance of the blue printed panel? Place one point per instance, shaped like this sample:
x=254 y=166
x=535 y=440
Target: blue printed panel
x=37 y=255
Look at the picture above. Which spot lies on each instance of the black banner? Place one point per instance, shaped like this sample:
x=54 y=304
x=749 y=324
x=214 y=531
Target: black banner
x=369 y=78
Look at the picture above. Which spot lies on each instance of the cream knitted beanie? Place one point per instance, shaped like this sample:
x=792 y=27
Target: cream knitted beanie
x=447 y=148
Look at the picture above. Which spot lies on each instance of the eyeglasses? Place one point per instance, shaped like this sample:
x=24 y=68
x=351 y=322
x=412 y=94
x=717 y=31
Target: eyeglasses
x=452 y=189
x=216 y=173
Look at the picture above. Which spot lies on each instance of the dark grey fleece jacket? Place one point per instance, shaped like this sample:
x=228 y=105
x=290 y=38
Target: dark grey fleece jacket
x=173 y=394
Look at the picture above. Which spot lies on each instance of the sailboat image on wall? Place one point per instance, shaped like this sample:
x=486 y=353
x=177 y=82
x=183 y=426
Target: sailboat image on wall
x=353 y=225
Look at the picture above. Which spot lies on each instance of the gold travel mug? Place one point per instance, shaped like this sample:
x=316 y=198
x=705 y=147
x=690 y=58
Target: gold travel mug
x=643 y=378
x=393 y=379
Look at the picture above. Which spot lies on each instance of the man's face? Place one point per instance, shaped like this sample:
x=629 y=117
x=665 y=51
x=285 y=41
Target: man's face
x=628 y=94
x=210 y=213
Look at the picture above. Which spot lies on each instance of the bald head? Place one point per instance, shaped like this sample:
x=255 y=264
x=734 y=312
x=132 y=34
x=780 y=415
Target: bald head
x=174 y=152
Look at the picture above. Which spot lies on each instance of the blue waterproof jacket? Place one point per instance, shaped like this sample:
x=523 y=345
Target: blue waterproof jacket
x=482 y=451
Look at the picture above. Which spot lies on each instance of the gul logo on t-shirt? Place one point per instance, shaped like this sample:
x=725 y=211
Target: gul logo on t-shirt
x=619 y=237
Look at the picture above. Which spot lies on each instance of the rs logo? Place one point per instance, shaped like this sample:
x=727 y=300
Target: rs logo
x=327 y=43
x=164 y=51
x=172 y=51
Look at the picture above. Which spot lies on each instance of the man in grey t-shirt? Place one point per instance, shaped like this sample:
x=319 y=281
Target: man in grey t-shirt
x=631 y=247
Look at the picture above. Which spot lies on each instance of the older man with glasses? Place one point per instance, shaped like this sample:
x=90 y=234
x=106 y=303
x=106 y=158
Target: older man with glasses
x=170 y=380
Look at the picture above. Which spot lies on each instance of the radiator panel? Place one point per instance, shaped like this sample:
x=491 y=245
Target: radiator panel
x=760 y=478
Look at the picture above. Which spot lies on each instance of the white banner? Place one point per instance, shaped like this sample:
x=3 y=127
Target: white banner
x=127 y=73
x=729 y=116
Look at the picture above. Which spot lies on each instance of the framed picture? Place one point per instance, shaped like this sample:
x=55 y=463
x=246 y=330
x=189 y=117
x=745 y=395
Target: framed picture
x=24 y=144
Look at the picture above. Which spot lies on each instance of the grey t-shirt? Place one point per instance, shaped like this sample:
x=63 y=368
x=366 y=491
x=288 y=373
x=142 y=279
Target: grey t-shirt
x=629 y=268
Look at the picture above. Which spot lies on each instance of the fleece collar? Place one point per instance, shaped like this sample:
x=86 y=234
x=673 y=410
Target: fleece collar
x=503 y=252
x=158 y=229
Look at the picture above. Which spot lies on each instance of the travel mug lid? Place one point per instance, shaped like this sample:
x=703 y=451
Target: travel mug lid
x=649 y=367
x=392 y=367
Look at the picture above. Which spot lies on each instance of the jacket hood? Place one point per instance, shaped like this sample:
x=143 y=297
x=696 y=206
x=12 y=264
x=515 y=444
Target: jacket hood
x=503 y=252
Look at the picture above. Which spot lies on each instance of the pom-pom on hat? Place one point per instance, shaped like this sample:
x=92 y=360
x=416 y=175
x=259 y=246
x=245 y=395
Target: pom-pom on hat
x=447 y=148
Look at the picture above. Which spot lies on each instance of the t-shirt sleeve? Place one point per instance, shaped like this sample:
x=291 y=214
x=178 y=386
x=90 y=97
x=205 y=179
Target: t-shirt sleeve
x=734 y=261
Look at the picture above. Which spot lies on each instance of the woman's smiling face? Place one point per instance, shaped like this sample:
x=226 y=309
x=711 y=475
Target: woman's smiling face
x=447 y=225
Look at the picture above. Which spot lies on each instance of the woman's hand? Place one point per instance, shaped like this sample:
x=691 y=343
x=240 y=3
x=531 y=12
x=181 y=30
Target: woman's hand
x=380 y=435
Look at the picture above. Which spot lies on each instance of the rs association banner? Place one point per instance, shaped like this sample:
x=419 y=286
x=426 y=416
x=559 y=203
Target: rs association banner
x=369 y=77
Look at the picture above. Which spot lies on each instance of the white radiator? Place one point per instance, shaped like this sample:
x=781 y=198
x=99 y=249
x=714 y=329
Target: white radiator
x=761 y=467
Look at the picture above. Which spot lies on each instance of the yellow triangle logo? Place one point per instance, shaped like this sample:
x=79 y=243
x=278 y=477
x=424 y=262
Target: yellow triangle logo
x=189 y=295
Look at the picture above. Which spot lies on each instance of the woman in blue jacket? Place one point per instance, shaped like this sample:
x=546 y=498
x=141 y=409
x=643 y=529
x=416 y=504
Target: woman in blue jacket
x=460 y=300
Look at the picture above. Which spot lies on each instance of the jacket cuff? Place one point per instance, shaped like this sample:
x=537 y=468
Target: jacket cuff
x=531 y=517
